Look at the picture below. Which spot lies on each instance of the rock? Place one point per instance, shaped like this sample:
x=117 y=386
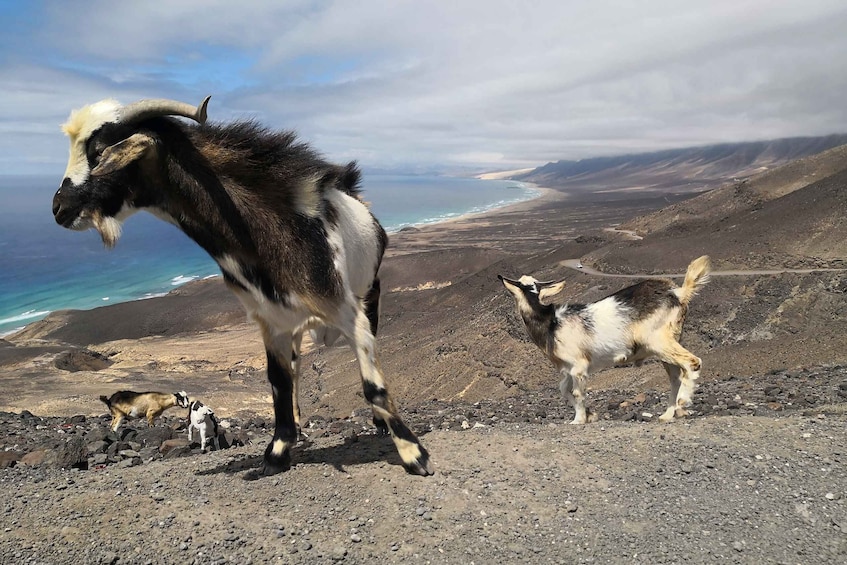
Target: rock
x=34 y=458
x=101 y=433
x=178 y=451
x=130 y=462
x=99 y=446
x=168 y=445
x=154 y=437
x=81 y=360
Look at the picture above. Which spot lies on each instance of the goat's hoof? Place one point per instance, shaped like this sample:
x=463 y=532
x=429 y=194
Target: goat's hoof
x=381 y=427
x=276 y=463
x=421 y=465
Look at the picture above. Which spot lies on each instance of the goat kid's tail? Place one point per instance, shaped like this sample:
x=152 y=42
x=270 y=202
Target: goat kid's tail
x=105 y=400
x=696 y=277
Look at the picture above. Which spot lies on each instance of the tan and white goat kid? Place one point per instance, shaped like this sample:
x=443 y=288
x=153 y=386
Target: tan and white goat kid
x=641 y=321
x=150 y=405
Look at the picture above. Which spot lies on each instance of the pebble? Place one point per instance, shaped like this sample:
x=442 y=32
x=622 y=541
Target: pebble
x=356 y=538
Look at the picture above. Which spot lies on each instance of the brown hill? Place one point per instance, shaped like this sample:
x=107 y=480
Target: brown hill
x=791 y=217
x=690 y=169
x=744 y=195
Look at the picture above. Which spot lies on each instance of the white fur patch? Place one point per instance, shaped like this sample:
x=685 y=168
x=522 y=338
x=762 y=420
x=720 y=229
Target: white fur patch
x=355 y=241
x=79 y=127
x=610 y=331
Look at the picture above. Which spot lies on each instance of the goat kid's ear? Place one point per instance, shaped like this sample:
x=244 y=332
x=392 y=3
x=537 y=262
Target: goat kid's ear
x=121 y=154
x=511 y=286
x=549 y=289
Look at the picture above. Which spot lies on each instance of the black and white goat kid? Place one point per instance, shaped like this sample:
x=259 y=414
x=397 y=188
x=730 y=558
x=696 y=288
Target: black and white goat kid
x=641 y=321
x=293 y=239
x=202 y=419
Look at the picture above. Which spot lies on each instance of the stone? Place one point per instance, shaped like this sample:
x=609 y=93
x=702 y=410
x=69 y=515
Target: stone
x=9 y=458
x=99 y=446
x=168 y=445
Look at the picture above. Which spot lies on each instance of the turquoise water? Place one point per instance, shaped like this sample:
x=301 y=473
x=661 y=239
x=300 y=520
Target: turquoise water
x=44 y=267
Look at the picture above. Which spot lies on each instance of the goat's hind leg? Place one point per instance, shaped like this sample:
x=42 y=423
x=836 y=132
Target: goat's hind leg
x=414 y=456
x=372 y=312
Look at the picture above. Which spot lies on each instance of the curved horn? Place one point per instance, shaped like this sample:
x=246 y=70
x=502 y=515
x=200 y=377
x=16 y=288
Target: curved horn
x=153 y=107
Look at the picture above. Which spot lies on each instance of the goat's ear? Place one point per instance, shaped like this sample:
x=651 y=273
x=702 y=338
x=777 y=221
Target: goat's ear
x=549 y=290
x=511 y=286
x=123 y=153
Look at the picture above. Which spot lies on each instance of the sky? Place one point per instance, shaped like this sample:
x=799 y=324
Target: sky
x=437 y=86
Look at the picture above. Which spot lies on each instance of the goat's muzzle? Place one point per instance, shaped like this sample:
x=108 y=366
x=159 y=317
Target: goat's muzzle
x=63 y=213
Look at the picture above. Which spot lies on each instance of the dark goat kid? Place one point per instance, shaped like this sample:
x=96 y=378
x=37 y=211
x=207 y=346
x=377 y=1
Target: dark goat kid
x=149 y=405
x=288 y=230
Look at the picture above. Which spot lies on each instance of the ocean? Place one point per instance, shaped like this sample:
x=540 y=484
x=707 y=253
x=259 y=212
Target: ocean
x=44 y=267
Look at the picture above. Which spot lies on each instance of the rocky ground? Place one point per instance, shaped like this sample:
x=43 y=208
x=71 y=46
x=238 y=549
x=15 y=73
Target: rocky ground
x=756 y=475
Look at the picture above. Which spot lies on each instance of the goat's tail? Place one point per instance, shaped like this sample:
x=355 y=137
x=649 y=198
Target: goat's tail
x=105 y=400
x=696 y=276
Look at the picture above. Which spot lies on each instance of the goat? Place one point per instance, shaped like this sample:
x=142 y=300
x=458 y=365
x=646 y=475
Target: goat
x=202 y=418
x=641 y=321
x=289 y=231
x=127 y=403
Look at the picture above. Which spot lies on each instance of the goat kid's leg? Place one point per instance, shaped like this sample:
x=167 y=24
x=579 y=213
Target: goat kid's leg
x=203 y=438
x=583 y=415
x=414 y=456
x=565 y=387
x=689 y=365
x=116 y=421
x=674 y=374
x=278 y=452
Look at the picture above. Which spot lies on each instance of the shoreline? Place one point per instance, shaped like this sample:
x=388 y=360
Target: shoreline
x=543 y=195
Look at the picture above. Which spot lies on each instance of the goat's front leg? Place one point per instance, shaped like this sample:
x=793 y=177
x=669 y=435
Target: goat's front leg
x=573 y=389
x=674 y=374
x=296 y=343
x=358 y=332
x=280 y=375
x=116 y=421
x=203 y=438
x=190 y=431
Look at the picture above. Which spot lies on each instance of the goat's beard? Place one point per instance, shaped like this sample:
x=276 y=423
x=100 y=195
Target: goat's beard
x=108 y=227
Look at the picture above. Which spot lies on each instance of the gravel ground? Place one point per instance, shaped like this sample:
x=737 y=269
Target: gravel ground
x=757 y=475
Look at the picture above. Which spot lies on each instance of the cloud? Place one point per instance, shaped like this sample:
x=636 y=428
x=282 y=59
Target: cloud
x=478 y=83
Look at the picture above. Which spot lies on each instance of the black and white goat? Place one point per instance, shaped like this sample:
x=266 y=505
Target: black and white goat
x=150 y=405
x=203 y=419
x=641 y=321
x=288 y=230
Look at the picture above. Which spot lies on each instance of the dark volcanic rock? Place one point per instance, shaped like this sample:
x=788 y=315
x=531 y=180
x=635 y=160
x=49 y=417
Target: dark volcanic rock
x=81 y=360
